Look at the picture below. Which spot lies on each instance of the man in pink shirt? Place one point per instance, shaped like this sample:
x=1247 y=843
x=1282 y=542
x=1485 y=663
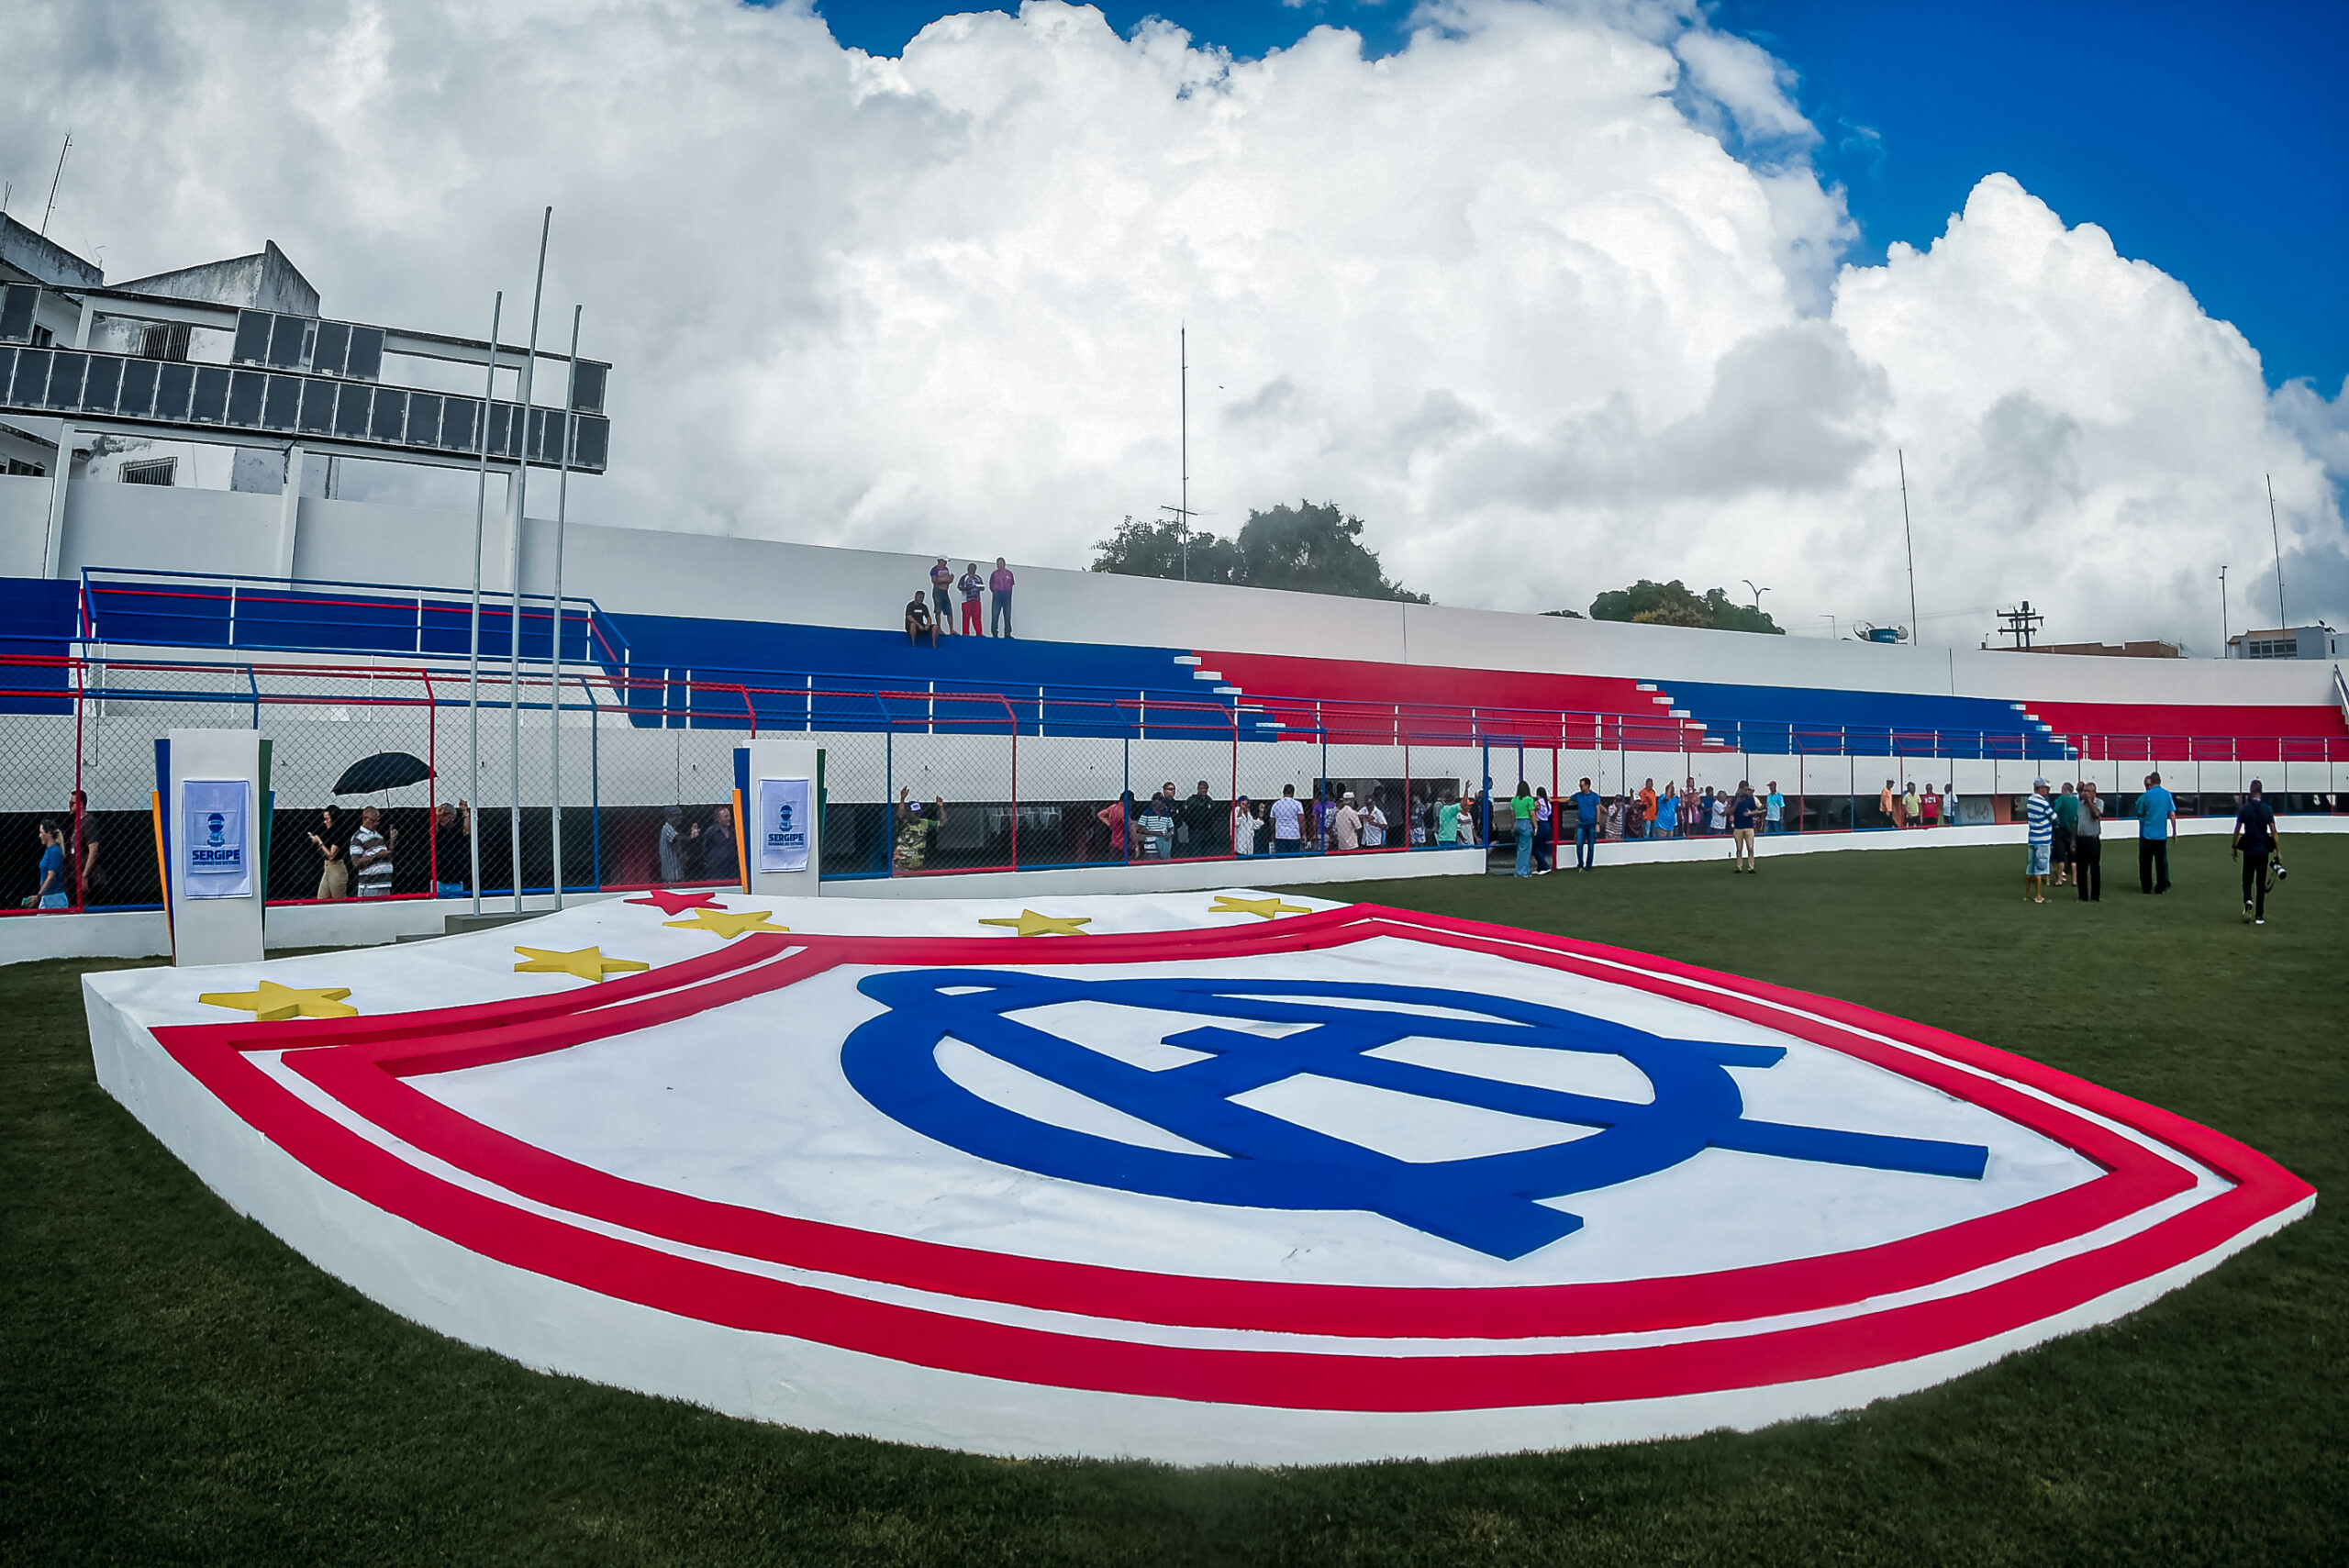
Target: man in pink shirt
x=999 y=591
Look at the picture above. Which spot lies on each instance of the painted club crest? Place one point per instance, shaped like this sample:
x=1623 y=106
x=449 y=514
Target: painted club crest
x=1347 y=1183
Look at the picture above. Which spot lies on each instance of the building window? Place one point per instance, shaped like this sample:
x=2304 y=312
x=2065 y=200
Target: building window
x=2272 y=648
x=164 y=341
x=17 y=466
x=158 y=472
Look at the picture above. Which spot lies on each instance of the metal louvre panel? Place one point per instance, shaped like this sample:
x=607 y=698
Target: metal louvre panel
x=285 y=398
x=350 y=412
x=138 y=377
x=317 y=408
x=389 y=419
x=65 y=372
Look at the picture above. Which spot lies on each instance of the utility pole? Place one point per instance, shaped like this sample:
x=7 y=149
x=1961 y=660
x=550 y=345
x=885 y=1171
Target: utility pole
x=1910 y=539
x=2222 y=610
x=561 y=500
x=472 y=641
x=52 y=182
x=514 y=624
x=2277 y=540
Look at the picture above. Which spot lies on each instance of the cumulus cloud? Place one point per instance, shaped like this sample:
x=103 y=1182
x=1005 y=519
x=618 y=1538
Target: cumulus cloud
x=1552 y=297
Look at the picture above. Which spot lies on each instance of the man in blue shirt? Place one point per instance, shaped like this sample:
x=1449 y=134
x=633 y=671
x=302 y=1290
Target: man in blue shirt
x=2156 y=811
x=2039 y=812
x=1776 y=821
x=1587 y=807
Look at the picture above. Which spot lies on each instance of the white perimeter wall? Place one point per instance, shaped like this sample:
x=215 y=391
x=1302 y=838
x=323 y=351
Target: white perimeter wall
x=652 y=572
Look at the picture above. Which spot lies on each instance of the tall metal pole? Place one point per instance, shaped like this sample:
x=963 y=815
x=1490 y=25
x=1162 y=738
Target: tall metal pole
x=2222 y=612
x=514 y=625
x=561 y=500
x=52 y=184
x=1183 y=353
x=2277 y=540
x=472 y=672
x=1908 y=538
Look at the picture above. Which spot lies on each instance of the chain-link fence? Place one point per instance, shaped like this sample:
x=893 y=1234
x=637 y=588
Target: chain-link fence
x=937 y=781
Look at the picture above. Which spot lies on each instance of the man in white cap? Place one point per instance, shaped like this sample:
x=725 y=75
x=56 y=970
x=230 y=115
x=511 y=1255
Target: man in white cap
x=1345 y=825
x=2040 y=811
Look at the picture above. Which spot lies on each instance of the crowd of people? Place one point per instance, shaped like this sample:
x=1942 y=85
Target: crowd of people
x=2064 y=842
x=931 y=615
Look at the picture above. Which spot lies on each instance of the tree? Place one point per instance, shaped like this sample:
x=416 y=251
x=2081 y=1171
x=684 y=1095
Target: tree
x=1305 y=549
x=1675 y=604
x=1144 y=548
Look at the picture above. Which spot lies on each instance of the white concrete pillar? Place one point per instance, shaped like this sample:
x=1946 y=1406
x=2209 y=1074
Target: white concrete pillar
x=778 y=816
x=217 y=886
x=52 y=540
x=289 y=513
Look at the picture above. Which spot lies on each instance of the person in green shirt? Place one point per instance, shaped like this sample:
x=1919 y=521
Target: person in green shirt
x=1520 y=808
x=2068 y=825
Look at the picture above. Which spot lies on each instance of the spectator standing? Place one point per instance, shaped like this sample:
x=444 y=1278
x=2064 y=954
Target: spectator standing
x=2254 y=842
x=1373 y=826
x=2067 y=823
x=1744 y=816
x=1642 y=819
x=720 y=860
x=918 y=621
x=1345 y=825
x=1912 y=808
x=918 y=829
x=1447 y=823
x=1720 y=823
x=1158 y=824
x=89 y=881
x=1520 y=811
x=999 y=583
x=2088 y=847
x=369 y=853
x=1667 y=812
x=1113 y=818
x=1205 y=822
x=1701 y=815
x=1773 y=810
x=942 y=584
x=676 y=845
x=50 y=893
x=1288 y=823
x=1244 y=827
x=1545 y=829
x=1615 y=817
x=1932 y=804
x=1888 y=804
x=1692 y=819
x=969 y=584
x=2156 y=813
x=453 y=831
x=334 y=865
x=2039 y=811
x=1585 y=826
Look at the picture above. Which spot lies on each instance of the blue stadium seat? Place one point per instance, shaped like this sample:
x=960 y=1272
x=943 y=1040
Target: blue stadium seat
x=1803 y=720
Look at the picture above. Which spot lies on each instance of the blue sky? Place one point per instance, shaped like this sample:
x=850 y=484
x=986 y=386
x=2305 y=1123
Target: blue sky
x=2210 y=140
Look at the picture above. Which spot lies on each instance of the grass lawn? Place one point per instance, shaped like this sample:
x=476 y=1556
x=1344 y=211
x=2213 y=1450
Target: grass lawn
x=177 y=1386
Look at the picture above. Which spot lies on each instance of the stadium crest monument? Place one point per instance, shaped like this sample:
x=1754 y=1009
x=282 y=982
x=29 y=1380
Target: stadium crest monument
x=1202 y=1177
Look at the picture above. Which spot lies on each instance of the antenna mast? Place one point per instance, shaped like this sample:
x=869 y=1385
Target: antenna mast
x=1183 y=353
x=1908 y=538
x=2222 y=611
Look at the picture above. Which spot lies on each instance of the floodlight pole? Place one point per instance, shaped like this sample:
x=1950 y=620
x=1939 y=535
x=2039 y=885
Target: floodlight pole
x=473 y=672
x=1910 y=540
x=2222 y=610
x=514 y=625
x=1183 y=355
x=561 y=500
x=2277 y=539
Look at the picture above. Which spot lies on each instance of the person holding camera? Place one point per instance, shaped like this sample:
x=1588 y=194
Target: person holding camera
x=2254 y=845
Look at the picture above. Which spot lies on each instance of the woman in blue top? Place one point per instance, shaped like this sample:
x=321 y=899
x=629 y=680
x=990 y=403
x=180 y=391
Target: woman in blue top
x=1667 y=811
x=52 y=895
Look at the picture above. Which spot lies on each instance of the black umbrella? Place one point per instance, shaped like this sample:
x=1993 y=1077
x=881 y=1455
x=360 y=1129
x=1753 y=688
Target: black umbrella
x=385 y=770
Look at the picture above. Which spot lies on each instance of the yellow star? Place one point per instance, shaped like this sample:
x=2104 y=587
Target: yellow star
x=726 y=924
x=274 y=1003
x=1270 y=908
x=587 y=964
x=1030 y=924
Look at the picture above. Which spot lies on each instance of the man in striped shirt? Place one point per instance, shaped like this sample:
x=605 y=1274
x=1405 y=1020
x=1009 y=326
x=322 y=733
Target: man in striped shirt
x=2039 y=812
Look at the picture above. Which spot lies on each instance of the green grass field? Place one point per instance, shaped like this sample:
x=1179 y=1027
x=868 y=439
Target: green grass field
x=176 y=1386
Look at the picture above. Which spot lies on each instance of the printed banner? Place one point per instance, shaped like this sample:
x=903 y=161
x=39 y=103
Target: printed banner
x=217 y=851
x=786 y=811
